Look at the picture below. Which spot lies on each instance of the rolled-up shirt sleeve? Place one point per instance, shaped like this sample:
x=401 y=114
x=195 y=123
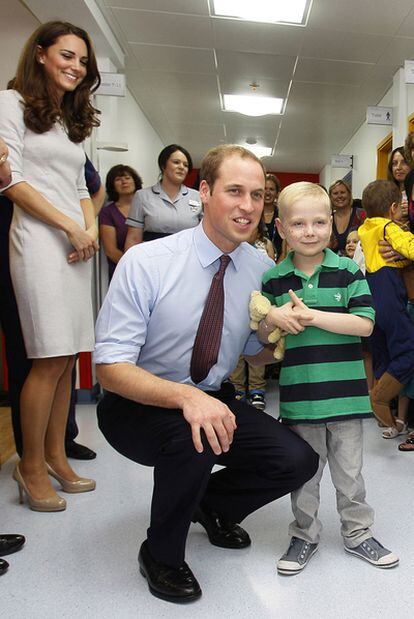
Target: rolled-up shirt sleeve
x=12 y=130
x=121 y=327
x=136 y=212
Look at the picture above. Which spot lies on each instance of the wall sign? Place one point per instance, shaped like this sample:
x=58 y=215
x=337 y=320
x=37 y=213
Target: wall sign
x=341 y=161
x=112 y=84
x=378 y=115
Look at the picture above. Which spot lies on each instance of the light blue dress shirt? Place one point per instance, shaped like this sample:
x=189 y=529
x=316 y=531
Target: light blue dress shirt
x=151 y=313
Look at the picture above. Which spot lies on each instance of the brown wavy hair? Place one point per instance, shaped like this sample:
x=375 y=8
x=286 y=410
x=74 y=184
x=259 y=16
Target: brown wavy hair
x=41 y=109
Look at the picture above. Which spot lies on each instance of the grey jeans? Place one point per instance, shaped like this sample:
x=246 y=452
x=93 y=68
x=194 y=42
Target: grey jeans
x=339 y=443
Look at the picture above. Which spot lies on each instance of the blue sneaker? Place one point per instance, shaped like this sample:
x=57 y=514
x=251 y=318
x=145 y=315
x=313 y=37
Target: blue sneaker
x=296 y=557
x=372 y=551
x=257 y=399
x=240 y=395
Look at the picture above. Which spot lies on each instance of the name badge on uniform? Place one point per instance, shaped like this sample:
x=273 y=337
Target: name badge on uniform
x=194 y=205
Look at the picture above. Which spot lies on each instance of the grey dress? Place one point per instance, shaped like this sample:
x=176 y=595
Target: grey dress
x=53 y=297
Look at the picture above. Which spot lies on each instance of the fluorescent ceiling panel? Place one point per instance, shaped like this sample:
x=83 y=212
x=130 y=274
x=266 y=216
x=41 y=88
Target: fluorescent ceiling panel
x=269 y=11
x=259 y=151
x=252 y=105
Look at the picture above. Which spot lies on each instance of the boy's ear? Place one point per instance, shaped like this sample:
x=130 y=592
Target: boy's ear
x=279 y=226
x=393 y=209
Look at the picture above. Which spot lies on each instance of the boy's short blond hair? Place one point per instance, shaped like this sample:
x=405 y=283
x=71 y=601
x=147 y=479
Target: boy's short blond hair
x=296 y=191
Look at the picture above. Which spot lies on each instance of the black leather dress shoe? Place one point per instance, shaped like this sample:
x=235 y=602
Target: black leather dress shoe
x=4 y=566
x=168 y=583
x=10 y=543
x=79 y=452
x=221 y=532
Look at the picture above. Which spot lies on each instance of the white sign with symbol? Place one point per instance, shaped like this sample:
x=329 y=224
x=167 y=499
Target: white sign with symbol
x=378 y=115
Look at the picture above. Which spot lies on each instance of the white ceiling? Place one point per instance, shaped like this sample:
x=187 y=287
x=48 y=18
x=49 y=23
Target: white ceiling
x=180 y=60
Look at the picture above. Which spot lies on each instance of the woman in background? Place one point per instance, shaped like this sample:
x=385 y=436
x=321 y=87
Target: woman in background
x=168 y=206
x=272 y=191
x=44 y=118
x=346 y=216
x=122 y=182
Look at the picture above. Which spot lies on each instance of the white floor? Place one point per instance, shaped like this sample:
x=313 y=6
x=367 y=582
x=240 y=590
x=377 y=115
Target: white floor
x=82 y=562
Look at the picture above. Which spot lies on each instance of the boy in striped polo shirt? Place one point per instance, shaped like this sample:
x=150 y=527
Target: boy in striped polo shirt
x=323 y=389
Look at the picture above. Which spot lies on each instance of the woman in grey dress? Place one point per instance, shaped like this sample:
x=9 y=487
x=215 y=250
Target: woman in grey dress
x=44 y=118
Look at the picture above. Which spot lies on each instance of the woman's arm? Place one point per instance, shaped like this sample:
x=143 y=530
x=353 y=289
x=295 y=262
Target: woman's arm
x=5 y=172
x=270 y=249
x=107 y=235
x=134 y=237
x=31 y=201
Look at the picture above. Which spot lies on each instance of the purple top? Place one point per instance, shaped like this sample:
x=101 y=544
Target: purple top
x=110 y=215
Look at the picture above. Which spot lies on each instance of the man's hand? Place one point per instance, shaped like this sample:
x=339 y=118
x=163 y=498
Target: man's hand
x=5 y=172
x=388 y=253
x=204 y=412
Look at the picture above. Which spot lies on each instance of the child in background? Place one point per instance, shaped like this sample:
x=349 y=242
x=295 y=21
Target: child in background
x=354 y=251
x=393 y=336
x=323 y=388
x=249 y=380
x=351 y=243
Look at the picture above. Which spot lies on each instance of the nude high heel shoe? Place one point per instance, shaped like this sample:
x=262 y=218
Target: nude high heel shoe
x=83 y=484
x=52 y=504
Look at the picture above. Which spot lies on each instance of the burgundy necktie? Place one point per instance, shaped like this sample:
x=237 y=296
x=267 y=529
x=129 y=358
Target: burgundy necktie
x=207 y=342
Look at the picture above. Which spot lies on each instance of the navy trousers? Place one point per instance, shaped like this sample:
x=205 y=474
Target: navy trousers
x=266 y=461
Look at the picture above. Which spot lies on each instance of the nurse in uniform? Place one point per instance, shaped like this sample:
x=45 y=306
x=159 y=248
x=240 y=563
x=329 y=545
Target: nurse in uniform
x=168 y=206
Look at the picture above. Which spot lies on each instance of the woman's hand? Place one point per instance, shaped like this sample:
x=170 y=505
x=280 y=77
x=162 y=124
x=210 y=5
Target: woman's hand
x=388 y=253
x=84 y=242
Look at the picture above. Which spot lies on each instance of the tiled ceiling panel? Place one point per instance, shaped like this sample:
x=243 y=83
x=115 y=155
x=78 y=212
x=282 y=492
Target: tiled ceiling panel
x=164 y=28
x=174 y=59
x=192 y=7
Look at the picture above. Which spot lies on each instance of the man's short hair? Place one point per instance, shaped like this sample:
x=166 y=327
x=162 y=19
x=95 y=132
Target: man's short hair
x=214 y=157
x=378 y=196
x=296 y=191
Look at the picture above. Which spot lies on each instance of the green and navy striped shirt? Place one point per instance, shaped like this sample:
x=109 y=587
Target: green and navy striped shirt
x=322 y=377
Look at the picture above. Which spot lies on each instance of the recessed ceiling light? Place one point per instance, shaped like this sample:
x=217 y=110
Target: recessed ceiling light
x=252 y=105
x=259 y=151
x=270 y=11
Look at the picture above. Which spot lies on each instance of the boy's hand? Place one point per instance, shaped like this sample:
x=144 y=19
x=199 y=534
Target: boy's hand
x=285 y=318
x=305 y=315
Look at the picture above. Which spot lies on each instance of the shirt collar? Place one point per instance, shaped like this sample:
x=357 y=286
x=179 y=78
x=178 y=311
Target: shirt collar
x=183 y=191
x=330 y=261
x=208 y=253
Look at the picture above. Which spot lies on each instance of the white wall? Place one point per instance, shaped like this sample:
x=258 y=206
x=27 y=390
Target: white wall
x=16 y=25
x=364 y=143
x=122 y=121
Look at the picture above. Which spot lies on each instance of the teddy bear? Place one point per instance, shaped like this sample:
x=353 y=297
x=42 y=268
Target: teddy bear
x=259 y=307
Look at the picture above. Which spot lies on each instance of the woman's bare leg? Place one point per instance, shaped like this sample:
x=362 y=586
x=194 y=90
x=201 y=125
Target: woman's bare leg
x=37 y=398
x=55 y=434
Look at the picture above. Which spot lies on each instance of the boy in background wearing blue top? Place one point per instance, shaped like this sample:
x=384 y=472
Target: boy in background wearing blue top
x=323 y=388
x=392 y=340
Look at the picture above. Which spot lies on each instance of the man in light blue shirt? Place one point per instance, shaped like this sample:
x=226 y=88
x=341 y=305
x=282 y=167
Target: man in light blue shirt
x=156 y=415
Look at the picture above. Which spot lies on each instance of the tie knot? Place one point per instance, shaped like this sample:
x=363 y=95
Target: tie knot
x=224 y=261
